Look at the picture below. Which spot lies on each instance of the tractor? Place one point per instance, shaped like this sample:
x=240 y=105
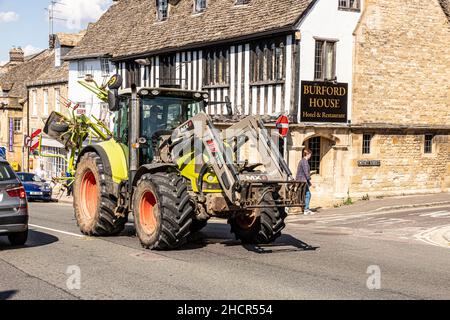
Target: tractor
x=167 y=164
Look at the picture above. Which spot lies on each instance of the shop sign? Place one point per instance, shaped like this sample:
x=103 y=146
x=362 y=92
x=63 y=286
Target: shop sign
x=324 y=101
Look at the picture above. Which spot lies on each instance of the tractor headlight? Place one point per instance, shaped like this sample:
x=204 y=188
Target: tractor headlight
x=205 y=96
x=197 y=95
x=144 y=92
x=155 y=92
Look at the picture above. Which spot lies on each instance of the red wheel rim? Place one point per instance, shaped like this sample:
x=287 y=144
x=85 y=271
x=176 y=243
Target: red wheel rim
x=246 y=222
x=89 y=195
x=146 y=212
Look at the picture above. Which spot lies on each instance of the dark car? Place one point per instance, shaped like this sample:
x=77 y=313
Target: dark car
x=35 y=187
x=13 y=206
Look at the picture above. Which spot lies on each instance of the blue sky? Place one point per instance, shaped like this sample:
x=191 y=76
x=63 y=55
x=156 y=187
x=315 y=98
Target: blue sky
x=24 y=23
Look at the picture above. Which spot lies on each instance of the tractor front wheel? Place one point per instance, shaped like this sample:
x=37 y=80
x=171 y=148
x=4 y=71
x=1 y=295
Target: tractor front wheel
x=163 y=211
x=94 y=206
x=262 y=226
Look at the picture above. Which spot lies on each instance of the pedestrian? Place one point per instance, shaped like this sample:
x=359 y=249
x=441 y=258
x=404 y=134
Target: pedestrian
x=304 y=175
x=40 y=172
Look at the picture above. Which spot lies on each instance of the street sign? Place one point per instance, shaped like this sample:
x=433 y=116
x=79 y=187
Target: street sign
x=283 y=125
x=34 y=140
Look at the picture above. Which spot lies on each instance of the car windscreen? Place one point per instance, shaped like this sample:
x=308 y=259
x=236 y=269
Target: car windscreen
x=6 y=172
x=28 y=177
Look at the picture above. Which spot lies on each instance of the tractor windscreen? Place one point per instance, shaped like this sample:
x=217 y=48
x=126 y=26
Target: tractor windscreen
x=161 y=113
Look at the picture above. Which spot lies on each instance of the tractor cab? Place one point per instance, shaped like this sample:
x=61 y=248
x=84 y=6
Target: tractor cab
x=160 y=111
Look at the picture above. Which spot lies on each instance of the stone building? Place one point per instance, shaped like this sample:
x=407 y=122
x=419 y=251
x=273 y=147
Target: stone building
x=47 y=93
x=365 y=83
x=14 y=99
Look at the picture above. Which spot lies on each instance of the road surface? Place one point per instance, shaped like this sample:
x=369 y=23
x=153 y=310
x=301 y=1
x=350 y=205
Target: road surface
x=378 y=255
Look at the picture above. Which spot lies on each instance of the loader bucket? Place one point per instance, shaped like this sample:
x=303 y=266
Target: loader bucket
x=56 y=127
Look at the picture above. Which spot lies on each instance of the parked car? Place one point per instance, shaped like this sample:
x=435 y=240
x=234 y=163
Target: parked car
x=13 y=206
x=35 y=187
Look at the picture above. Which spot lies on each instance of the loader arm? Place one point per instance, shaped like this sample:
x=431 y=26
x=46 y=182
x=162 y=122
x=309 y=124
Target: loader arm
x=200 y=134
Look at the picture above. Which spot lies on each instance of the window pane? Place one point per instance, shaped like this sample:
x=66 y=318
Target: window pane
x=314 y=162
x=367 y=138
x=329 y=58
x=319 y=58
x=267 y=61
x=216 y=68
x=428 y=143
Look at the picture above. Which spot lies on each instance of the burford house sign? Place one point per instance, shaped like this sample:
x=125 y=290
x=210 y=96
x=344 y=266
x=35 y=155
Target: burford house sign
x=324 y=102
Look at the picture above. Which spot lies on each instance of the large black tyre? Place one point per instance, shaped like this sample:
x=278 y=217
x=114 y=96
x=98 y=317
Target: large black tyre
x=18 y=238
x=198 y=225
x=163 y=211
x=263 y=226
x=94 y=206
x=59 y=127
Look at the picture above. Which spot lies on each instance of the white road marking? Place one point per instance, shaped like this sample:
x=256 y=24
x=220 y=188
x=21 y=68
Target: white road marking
x=436 y=214
x=58 y=231
x=425 y=236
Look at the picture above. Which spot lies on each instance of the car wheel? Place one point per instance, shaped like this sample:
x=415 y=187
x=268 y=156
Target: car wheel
x=19 y=238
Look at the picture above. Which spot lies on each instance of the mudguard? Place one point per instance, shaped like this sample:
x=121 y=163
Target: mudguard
x=114 y=156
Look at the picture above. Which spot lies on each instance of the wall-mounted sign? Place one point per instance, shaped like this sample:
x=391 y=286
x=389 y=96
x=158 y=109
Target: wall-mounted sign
x=369 y=163
x=324 y=102
x=11 y=135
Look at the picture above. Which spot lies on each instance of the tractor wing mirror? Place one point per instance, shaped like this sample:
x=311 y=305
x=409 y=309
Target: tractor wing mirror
x=113 y=100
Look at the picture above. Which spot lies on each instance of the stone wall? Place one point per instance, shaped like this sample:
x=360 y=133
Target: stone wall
x=402 y=64
x=405 y=168
x=37 y=122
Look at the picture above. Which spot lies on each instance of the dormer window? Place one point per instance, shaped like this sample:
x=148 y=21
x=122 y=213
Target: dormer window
x=162 y=7
x=241 y=2
x=200 y=5
x=350 y=5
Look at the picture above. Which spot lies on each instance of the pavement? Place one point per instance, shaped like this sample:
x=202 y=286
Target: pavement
x=392 y=211
x=390 y=203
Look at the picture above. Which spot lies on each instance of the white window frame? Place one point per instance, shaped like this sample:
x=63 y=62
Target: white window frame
x=104 y=65
x=162 y=15
x=349 y=5
x=17 y=129
x=200 y=5
x=45 y=102
x=57 y=100
x=82 y=70
x=34 y=98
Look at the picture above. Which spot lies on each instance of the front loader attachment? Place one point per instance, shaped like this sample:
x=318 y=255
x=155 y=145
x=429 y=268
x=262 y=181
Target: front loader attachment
x=244 y=158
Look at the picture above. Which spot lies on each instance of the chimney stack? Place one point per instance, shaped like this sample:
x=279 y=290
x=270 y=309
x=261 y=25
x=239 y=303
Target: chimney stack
x=16 y=56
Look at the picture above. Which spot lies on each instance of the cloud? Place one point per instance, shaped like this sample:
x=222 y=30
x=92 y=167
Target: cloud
x=8 y=16
x=29 y=50
x=78 y=13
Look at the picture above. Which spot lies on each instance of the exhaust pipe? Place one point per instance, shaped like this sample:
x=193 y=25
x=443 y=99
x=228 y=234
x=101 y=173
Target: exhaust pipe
x=133 y=126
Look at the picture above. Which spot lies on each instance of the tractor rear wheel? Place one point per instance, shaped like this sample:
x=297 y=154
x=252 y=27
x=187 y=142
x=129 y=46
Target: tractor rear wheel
x=163 y=211
x=263 y=226
x=94 y=206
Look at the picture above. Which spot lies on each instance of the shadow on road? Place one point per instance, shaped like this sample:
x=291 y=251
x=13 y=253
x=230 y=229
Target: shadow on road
x=5 y=295
x=35 y=239
x=218 y=233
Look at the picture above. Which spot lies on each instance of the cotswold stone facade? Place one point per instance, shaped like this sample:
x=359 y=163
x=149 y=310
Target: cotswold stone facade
x=402 y=64
x=401 y=95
